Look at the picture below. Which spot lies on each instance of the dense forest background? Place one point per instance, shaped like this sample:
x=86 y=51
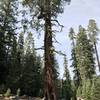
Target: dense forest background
x=24 y=72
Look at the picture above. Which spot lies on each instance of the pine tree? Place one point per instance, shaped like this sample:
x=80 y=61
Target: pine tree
x=93 y=31
x=8 y=36
x=85 y=60
x=67 y=90
x=48 y=10
x=17 y=65
x=30 y=82
x=76 y=72
x=74 y=60
x=84 y=54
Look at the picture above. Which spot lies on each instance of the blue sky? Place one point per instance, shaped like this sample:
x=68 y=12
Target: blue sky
x=77 y=13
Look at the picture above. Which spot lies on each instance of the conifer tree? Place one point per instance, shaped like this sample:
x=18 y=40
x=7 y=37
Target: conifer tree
x=48 y=10
x=74 y=60
x=30 y=82
x=76 y=72
x=85 y=60
x=7 y=34
x=93 y=31
x=67 y=90
x=15 y=70
x=84 y=54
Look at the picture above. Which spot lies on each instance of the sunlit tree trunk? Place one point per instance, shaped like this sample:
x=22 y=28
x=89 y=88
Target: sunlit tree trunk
x=97 y=56
x=49 y=57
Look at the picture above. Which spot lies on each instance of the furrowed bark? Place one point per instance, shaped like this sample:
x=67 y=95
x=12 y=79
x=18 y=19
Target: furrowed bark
x=50 y=93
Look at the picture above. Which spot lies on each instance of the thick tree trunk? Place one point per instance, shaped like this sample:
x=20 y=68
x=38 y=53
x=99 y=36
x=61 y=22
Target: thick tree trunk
x=97 y=56
x=50 y=93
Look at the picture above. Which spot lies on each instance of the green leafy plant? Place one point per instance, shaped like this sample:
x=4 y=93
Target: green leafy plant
x=8 y=92
x=18 y=92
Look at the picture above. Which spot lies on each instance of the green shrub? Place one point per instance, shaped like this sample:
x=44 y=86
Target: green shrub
x=18 y=92
x=8 y=92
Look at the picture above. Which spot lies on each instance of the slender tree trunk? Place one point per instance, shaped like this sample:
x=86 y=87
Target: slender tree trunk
x=97 y=56
x=50 y=93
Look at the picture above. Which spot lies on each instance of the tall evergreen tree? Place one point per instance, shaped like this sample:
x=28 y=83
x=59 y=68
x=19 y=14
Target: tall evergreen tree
x=67 y=90
x=30 y=82
x=84 y=54
x=76 y=72
x=74 y=60
x=93 y=31
x=48 y=10
x=17 y=64
x=7 y=31
x=85 y=59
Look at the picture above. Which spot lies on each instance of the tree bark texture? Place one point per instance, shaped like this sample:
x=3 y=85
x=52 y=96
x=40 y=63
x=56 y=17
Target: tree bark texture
x=50 y=93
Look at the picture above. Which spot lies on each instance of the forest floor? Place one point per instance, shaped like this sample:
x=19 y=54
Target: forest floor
x=24 y=97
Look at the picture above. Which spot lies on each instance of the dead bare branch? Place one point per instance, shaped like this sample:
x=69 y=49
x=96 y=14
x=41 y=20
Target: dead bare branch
x=58 y=24
x=41 y=48
x=56 y=40
x=60 y=53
